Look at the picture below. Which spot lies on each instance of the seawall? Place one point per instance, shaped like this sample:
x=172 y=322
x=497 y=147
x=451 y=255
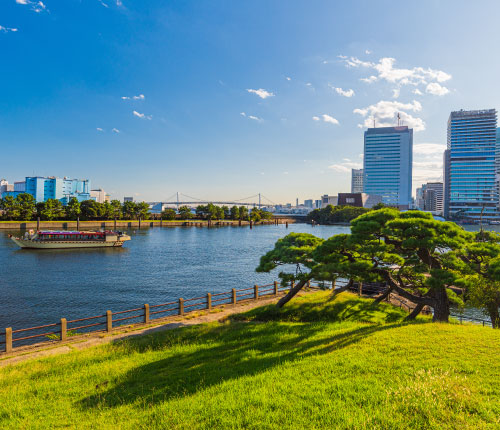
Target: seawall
x=124 y=224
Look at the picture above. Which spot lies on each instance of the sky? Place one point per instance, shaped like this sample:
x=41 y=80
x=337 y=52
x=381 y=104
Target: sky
x=221 y=100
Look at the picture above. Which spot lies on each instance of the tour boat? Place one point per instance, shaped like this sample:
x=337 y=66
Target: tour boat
x=70 y=239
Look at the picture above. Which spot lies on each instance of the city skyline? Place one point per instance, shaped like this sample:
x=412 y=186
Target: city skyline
x=224 y=101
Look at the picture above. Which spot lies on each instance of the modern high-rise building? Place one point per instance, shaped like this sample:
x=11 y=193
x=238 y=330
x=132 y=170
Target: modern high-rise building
x=470 y=167
x=357 y=181
x=387 y=164
x=44 y=188
x=430 y=197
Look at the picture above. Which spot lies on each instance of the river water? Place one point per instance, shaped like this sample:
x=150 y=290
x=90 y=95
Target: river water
x=158 y=265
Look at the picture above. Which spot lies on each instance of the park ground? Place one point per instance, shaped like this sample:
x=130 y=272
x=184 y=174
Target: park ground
x=317 y=363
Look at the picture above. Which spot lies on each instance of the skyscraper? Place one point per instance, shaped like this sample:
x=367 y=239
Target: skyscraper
x=388 y=164
x=432 y=197
x=470 y=167
x=357 y=181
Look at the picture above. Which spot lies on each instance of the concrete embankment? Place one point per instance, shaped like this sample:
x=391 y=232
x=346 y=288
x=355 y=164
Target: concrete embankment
x=124 y=224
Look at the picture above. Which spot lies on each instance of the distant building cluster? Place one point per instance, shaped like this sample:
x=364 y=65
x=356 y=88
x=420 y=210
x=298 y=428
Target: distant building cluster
x=45 y=188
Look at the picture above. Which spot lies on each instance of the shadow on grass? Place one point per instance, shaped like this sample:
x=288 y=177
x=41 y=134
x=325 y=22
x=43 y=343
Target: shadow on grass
x=355 y=309
x=203 y=356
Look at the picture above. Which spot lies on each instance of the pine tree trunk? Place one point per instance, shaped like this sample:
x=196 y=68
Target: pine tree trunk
x=383 y=296
x=441 y=306
x=416 y=310
x=293 y=291
x=494 y=315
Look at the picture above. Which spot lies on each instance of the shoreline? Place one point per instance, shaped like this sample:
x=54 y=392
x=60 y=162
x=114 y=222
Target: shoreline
x=82 y=225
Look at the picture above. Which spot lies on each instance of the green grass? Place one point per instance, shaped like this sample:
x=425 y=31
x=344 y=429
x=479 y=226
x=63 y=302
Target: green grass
x=265 y=371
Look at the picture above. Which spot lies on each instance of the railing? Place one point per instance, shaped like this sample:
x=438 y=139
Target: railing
x=145 y=314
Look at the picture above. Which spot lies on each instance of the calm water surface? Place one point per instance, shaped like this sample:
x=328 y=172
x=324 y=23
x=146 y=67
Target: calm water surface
x=158 y=265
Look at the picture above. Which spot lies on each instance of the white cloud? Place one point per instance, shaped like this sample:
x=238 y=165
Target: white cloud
x=7 y=29
x=417 y=92
x=115 y=130
x=429 y=148
x=435 y=89
x=255 y=118
x=262 y=93
x=36 y=6
x=119 y=3
x=388 y=72
x=329 y=119
x=99 y=129
x=309 y=84
x=142 y=116
x=385 y=112
x=104 y=4
x=285 y=173
x=315 y=118
x=344 y=93
x=427 y=162
x=345 y=166
x=139 y=97
x=288 y=78
x=369 y=80
x=395 y=93
x=368 y=52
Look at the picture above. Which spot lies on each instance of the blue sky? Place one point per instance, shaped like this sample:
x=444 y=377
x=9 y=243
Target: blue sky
x=225 y=99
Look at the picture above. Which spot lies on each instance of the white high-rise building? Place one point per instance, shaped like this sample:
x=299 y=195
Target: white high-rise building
x=357 y=181
x=387 y=164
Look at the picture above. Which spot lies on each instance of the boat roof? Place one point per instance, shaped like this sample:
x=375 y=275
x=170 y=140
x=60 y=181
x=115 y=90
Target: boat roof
x=75 y=232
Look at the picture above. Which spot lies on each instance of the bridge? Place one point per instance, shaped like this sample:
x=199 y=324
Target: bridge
x=180 y=199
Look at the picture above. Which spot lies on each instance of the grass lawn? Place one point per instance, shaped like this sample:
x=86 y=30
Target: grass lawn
x=317 y=364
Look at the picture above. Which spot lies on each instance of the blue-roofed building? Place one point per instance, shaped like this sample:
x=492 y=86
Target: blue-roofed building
x=387 y=164
x=470 y=166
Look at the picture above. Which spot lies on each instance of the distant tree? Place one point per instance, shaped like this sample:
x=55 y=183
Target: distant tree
x=91 y=210
x=226 y=211
x=142 y=210
x=335 y=214
x=115 y=210
x=235 y=212
x=219 y=212
x=255 y=215
x=73 y=209
x=185 y=212
x=129 y=210
x=243 y=213
x=379 y=206
x=10 y=208
x=168 y=214
x=201 y=211
x=27 y=206
x=51 y=209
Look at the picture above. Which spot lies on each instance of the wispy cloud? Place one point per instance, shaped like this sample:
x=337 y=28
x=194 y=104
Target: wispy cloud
x=387 y=71
x=326 y=118
x=115 y=130
x=427 y=162
x=103 y=4
x=35 y=6
x=139 y=97
x=99 y=129
x=142 y=115
x=345 y=166
x=385 y=113
x=255 y=118
x=7 y=29
x=342 y=92
x=288 y=78
x=261 y=92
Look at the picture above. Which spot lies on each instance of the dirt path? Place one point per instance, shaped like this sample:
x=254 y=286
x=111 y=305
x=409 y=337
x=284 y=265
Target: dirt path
x=126 y=332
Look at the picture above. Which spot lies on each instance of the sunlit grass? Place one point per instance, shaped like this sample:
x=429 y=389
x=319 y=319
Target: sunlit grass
x=291 y=372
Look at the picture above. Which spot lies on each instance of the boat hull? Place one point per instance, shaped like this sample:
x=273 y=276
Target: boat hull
x=30 y=244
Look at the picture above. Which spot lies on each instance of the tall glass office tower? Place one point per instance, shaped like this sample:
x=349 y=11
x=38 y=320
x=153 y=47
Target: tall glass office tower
x=470 y=165
x=387 y=164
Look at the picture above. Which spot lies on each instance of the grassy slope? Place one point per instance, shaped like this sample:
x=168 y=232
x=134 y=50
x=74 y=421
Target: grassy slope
x=275 y=374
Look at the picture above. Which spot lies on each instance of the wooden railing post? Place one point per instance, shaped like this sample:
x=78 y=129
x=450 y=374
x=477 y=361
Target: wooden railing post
x=209 y=301
x=292 y=284
x=8 y=339
x=256 y=292
x=275 y=288
x=360 y=288
x=181 y=306
x=233 y=294
x=64 y=329
x=146 y=313
x=109 y=321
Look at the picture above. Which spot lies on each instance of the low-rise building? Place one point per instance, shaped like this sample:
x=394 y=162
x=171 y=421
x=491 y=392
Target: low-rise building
x=361 y=200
